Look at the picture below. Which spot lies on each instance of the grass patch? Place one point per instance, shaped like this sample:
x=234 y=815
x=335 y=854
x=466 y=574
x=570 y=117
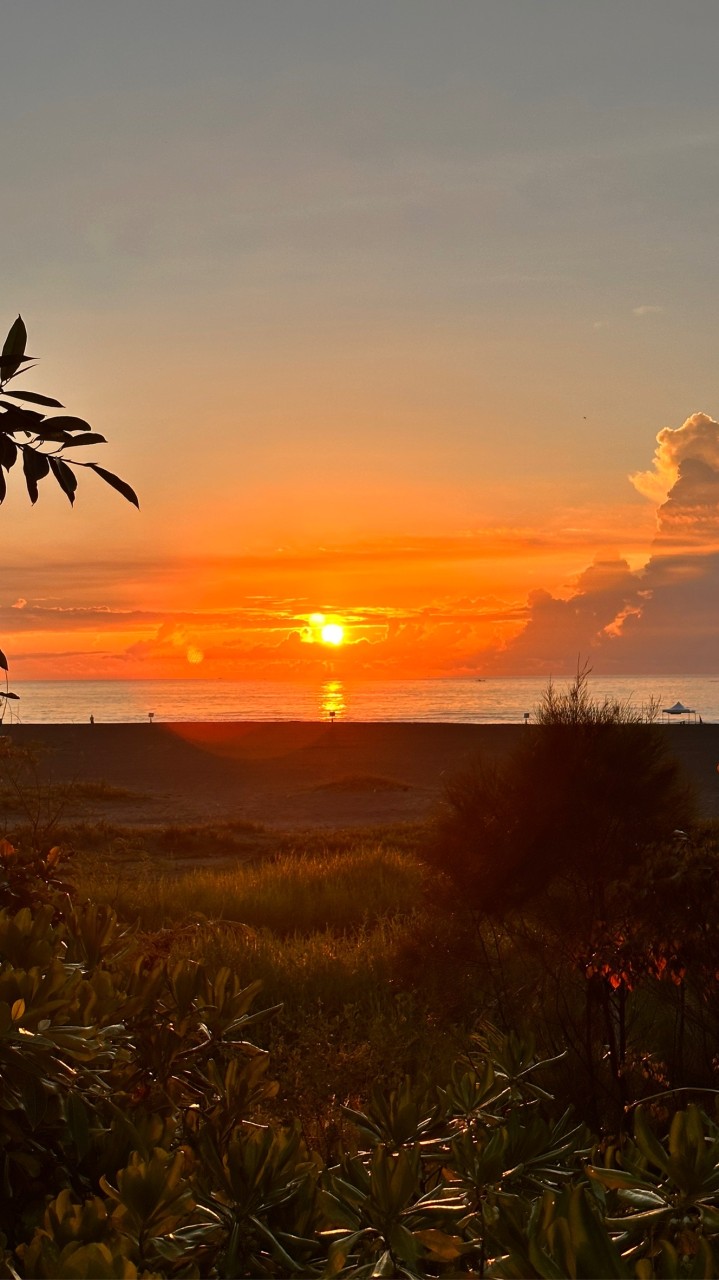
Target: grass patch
x=338 y=928
x=288 y=894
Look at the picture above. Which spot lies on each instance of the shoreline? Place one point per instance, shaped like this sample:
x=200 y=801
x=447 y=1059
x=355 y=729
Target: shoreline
x=292 y=775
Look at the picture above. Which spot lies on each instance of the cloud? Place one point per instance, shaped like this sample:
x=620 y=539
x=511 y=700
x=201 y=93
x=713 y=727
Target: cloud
x=697 y=440
x=661 y=618
x=19 y=603
x=647 y=310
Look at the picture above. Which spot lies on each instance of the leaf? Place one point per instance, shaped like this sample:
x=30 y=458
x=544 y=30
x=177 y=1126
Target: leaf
x=8 y=452
x=384 y=1266
x=115 y=482
x=3 y=486
x=87 y=437
x=4 y=378
x=649 y=1144
x=57 y=437
x=33 y=397
x=36 y=466
x=595 y=1249
x=68 y=422
x=78 y=1122
x=65 y=477
x=15 y=419
x=10 y=695
x=3 y=661
x=13 y=352
x=441 y=1245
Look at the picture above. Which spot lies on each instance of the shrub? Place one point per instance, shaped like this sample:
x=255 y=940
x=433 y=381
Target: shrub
x=588 y=794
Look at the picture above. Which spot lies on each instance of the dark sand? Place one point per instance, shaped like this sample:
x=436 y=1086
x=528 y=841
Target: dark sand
x=293 y=775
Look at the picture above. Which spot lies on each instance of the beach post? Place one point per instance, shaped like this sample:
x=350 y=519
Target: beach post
x=332 y=715
x=526 y=717
x=150 y=716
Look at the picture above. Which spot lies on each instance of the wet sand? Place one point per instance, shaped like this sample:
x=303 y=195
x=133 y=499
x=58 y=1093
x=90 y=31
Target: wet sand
x=292 y=775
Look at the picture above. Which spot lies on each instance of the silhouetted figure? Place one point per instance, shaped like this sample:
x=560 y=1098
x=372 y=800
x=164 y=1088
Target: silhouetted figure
x=92 y=719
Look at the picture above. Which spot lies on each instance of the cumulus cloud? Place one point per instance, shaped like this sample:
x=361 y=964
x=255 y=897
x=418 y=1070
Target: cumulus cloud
x=663 y=617
x=697 y=440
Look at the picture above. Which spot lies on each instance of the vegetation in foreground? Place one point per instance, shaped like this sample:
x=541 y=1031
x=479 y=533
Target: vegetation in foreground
x=139 y=1138
x=412 y=1131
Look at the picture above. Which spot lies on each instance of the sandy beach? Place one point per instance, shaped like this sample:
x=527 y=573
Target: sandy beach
x=292 y=775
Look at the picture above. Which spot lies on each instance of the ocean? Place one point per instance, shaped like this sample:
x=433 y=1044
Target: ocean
x=500 y=701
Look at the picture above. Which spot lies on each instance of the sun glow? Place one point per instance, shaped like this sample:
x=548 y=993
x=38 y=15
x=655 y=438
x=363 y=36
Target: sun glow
x=332 y=633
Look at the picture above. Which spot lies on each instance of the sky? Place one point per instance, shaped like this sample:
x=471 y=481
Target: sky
x=395 y=312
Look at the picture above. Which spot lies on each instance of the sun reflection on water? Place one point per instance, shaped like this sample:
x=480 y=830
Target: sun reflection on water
x=332 y=700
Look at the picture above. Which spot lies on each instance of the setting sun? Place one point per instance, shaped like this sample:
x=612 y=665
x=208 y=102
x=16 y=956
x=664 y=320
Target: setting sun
x=332 y=633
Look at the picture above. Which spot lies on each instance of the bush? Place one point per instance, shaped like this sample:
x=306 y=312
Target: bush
x=590 y=792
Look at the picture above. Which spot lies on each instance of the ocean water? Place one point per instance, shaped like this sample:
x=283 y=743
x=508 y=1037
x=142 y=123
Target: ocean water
x=500 y=701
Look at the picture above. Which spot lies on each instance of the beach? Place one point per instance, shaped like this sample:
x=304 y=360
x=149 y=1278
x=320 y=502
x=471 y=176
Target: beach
x=290 y=775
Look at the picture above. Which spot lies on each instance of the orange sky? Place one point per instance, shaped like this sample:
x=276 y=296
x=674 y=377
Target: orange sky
x=410 y=606
x=379 y=313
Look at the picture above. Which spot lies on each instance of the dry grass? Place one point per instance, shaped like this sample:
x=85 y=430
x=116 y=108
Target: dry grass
x=290 y=893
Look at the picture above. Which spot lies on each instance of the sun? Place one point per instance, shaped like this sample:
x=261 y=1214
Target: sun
x=332 y=633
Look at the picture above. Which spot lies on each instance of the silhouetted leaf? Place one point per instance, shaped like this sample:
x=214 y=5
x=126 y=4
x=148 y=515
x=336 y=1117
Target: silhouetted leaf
x=88 y=437
x=58 y=437
x=16 y=696
x=33 y=397
x=9 y=377
x=65 y=477
x=115 y=482
x=3 y=485
x=3 y=661
x=8 y=452
x=67 y=422
x=13 y=352
x=36 y=466
x=15 y=419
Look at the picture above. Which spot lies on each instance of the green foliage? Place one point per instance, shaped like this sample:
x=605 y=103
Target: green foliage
x=38 y=439
x=133 y=1141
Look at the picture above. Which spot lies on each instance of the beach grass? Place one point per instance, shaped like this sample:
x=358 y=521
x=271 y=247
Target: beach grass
x=332 y=926
x=292 y=892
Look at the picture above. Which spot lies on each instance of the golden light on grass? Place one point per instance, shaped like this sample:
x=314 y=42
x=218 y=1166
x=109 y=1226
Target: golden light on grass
x=332 y=633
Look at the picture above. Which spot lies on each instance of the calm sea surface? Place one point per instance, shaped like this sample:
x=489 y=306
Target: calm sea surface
x=498 y=701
